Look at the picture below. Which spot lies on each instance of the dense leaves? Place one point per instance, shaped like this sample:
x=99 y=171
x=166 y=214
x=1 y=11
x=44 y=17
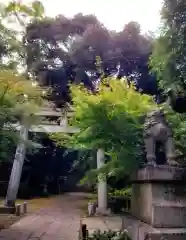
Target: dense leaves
x=168 y=63
x=112 y=235
x=67 y=48
x=57 y=50
x=168 y=59
x=18 y=101
x=111 y=119
x=18 y=97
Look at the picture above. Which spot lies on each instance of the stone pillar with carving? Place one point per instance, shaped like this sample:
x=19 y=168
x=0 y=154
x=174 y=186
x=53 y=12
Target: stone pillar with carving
x=158 y=192
x=158 y=206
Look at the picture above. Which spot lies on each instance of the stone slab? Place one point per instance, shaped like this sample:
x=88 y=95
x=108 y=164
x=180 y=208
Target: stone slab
x=159 y=173
x=7 y=210
x=168 y=216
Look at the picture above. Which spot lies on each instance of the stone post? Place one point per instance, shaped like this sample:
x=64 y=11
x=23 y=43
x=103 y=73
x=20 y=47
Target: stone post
x=25 y=207
x=17 y=168
x=102 y=185
x=18 y=210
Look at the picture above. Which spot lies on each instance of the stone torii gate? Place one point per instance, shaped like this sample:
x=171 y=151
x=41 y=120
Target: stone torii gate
x=63 y=126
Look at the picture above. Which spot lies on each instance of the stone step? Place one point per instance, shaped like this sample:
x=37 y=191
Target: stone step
x=138 y=230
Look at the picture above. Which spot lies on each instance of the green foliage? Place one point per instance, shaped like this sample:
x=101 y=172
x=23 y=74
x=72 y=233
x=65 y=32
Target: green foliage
x=13 y=45
x=111 y=119
x=168 y=58
x=126 y=192
x=178 y=124
x=8 y=140
x=18 y=95
x=18 y=98
x=18 y=101
x=35 y=10
x=120 y=200
x=168 y=61
x=112 y=235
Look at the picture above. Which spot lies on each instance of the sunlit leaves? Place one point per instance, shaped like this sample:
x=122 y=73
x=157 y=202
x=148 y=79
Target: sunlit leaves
x=38 y=9
x=35 y=10
x=14 y=19
x=110 y=119
x=18 y=100
x=16 y=85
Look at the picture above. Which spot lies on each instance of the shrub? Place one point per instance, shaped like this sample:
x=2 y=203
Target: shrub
x=126 y=192
x=111 y=119
x=106 y=235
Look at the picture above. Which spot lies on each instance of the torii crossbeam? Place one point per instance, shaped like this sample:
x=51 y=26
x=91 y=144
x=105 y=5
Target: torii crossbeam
x=20 y=155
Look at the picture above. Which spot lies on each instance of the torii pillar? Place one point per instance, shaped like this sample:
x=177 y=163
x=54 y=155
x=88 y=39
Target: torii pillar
x=102 y=208
x=15 y=176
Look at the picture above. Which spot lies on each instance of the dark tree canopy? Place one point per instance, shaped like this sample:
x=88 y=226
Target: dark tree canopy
x=64 y=49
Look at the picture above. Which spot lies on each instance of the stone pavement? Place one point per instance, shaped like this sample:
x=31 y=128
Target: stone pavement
x=58 y=222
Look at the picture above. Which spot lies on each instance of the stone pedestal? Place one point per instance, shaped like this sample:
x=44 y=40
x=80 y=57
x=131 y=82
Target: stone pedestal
x=102 y=212
x=159 y=199
x=7 y=210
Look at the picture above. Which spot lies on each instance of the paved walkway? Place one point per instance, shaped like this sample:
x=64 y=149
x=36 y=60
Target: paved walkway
x=59 y=222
